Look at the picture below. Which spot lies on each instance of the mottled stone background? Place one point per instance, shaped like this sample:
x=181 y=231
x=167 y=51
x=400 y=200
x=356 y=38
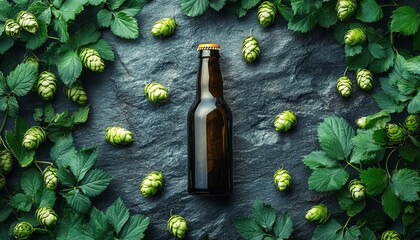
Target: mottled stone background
x=296 y=71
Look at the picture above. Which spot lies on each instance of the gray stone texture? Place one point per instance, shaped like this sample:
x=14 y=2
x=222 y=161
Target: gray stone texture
x=296 y=71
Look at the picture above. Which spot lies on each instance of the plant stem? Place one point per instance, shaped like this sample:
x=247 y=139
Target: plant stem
x=44 y=162
x=345 y=225
x=386 y=162
x=39 y=168
x=391 y=39
x=351 y=165
x=345 y=71
x=4 y=121
x=390 y=5
x=374 y=199
x=55 y=38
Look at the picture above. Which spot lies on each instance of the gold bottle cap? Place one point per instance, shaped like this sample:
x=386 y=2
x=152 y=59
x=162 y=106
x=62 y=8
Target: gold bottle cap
x=208 y=46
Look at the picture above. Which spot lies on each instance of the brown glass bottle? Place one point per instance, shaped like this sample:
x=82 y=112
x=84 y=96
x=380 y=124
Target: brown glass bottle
x=209 y=130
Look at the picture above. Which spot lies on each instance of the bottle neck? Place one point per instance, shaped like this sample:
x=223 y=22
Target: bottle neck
x=209 y=82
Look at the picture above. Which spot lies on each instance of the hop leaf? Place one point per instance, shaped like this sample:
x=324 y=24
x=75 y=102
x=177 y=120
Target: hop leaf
x=285 y=121
x=282 y=179
x=164 y=27
x=46 y=216
x=47 y=85
x=33 y=137
x=118 y=136
x=27 y=21
x=76 y=93
x=6 y=162
x=250 y=49
x=318 y=213
x=344 y=86
x=177 y=226
x=354 y=36
x=92 y=59
x=156 y=92
x=364 y=79
x=345 y=9
x=151 y=184
x=266 y=13
x=12 y=28
x=22 y=230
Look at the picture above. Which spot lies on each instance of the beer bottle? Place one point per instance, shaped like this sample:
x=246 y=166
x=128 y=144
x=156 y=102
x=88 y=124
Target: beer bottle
x=209 y=130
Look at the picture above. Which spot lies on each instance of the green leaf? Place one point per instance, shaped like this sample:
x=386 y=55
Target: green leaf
x=104 y=18
x=357 y=61
x=102 y=229
x=21 y=80
x=410 y=152
x=34 y=41
x=85 y=160
x=194 y=8
x=377 y=120
x=406 y=184
x=124 y=26
x=6 y=43
x=353 y=233
x=405 y=20
x=30 y=182
x=264 y=215
x=3 y=103
x=5 y=9
x=375 y=220
x=379 y=65
x=249 y=229
x=96 y=2
x=70 y=9
x=335 y=135
x=387 y=103
x=80 y=115
x=21 y=202
x=66 y=178
x=12 y=106
x=42 y=11
x=77 y=200
x=85 y=35
x=326 y=16
x=369 y=11
x=304 y=6
x=348 y=204
x=217 y=5
x=117 y=215
x=69 y=67
x=375 y=179
x=115 y=4
x=95 y=182
x=319 y=159
x=283 y=227
x=63 y=151
x=135 y=227
x=414 y=105
x=377 y=50
x=133 y=7
x=68 y=220
x=412 y=65
x=391 y=203
x=14 y=142
x=416 y=40
x=302 y=23
x=410 y=215
x=60 y=27
x=366 y=150
x=285 y=11
x=104 y=49
x=47 y=198
x=352 y=50
x=5 y=210
x=329 y=230
x=327 y=179
x=248 y=4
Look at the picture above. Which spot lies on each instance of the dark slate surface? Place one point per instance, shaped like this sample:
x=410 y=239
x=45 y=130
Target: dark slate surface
x=296 y=71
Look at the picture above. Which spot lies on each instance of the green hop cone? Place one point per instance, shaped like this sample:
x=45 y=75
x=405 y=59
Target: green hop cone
x=164 y=27
x=177 y=226
x=395 y=133
x=33 y=137
x=12 y=28
x=285 y=121
x=318 y=213
x=6 y=162
x=364 y=79
x=32 y=60
x=390 y=235
x=357 y=190
x=354 y=36
x=118 y=136
x=151 y=184
x=92 y=59
x=344 y=86
x=50 y=177
x=156 y=92
x=22 y=230
x=250 y=49
x=46 y=216
x=27 y=21
x=2 y=181
x=282 y=179
x=266 y=13
x=412 y=123
x=345 y=9
x=76 y=93
x=47 y=85
x=361 y=122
